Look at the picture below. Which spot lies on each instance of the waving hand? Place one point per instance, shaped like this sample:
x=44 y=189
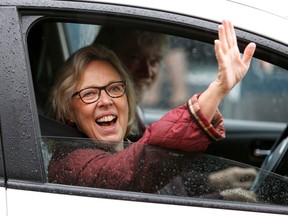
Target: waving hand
x=231 y=68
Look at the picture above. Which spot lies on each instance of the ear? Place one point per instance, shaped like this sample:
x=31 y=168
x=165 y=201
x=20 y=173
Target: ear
x=70 y=122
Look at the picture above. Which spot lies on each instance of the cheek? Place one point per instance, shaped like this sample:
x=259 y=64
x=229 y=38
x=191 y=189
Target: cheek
x=79 y=112
x=73 y=108
x=125 y=108
x=132 y=67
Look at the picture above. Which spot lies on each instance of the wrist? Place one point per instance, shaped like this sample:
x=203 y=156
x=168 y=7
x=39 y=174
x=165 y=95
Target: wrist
x=216 y=89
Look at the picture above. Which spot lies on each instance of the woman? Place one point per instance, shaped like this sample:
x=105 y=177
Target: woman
x=95 y=94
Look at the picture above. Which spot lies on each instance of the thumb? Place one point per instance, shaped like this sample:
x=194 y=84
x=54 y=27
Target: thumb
x=248 y=53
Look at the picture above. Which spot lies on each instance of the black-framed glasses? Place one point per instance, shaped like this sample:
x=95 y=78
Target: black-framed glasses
x=92 y=94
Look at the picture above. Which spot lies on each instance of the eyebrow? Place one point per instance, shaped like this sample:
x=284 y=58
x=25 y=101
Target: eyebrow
x=93 y=86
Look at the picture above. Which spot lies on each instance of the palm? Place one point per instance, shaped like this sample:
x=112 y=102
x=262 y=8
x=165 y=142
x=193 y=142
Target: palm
x=232 y=68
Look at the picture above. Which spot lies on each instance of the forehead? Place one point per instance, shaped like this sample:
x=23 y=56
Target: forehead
x=143 y=42
x=98 y=73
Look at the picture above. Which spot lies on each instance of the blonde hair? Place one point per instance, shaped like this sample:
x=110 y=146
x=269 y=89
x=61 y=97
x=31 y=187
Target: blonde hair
x=72 y=71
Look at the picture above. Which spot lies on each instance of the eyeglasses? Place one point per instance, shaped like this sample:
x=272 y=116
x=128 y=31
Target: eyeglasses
x=92 y=94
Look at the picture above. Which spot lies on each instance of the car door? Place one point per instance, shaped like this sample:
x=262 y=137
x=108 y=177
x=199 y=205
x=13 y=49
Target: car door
x=23 y=94
x=3 y=179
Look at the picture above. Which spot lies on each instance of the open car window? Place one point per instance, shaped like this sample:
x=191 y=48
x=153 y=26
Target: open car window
x=260 y=96
x=165 y=172
x=188 y=68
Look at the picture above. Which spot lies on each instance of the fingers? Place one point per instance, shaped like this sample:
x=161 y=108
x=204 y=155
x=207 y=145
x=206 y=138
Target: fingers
x=227 y=36
x=228 y=39
x=248 y=53
x=244 y=185
x=230 y=33
x=226 y=46
x=243 y=176
x=239 y=194
x=240 y=171
x=231 y=66
x=222 y=38
x=218 y=51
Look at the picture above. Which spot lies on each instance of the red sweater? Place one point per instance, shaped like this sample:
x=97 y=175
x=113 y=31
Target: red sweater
x=146 y=165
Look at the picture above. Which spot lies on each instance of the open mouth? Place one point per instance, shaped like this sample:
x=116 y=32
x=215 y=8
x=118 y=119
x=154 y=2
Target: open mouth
x=106 y=120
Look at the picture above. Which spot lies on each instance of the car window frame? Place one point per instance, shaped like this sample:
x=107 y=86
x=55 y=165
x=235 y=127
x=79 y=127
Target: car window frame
x=3 y=207
x=31 y=148
x=17 y=112
x=2 y=170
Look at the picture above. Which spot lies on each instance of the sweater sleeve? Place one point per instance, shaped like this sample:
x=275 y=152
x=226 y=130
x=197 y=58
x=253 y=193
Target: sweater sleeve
x=185 y=128
x=92 y=167
x=215 y=129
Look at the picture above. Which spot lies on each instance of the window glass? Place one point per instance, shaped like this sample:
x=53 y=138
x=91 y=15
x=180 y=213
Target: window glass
x=80 y=35
x=190 y=66
x=157 y=170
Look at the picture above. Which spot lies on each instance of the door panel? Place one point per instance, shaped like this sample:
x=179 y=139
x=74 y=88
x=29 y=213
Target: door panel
x=35 y=203
x=3 y=210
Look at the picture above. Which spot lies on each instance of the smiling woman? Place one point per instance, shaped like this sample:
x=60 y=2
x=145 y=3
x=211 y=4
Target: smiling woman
x=85 y=116
x=77 y=77
x=105 y=118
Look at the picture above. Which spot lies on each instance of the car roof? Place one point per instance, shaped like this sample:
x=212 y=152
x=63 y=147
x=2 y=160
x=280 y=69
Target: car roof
x=266 y=18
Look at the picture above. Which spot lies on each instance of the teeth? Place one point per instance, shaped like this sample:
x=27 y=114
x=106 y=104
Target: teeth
x=106 y=118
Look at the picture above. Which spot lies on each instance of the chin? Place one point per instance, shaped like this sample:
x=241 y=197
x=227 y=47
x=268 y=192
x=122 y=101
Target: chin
x=112 y=140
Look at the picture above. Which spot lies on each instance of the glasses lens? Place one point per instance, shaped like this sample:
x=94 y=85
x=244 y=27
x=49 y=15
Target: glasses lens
x=89 y=95
x=116 y=89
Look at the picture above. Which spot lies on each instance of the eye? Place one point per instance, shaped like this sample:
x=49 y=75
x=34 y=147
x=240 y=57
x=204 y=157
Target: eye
x=134 y=58
x=89 y=93
x=115 y=89
x=155 y=62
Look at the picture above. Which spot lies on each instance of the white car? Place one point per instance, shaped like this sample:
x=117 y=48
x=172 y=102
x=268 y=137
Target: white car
x=36 y=38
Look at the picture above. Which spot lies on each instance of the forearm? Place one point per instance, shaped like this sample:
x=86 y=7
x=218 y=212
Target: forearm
x=210 y=99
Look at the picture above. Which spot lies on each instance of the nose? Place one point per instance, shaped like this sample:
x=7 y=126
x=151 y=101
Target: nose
x=104 y=99
x=148 y=70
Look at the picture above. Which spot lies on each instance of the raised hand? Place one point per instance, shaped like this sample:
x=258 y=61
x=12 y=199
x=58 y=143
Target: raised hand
x=232 y=68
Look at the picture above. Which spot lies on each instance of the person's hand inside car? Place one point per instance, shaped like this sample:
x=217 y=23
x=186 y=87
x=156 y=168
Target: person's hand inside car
x=232 y=177
x=239 y=194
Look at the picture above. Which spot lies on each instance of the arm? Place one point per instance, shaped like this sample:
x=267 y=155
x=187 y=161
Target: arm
x=136 y=168
x=231 y=69
x=185 y=128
